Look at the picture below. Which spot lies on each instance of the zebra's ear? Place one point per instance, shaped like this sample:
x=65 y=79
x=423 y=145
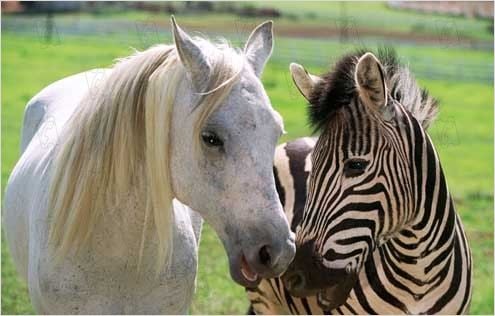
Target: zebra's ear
x=303 y=80
x=192 y=57
x=370 y=81
x=259 y=47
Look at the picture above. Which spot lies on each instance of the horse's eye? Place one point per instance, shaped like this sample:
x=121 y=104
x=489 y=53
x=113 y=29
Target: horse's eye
x=355 y=167
x=211 y=139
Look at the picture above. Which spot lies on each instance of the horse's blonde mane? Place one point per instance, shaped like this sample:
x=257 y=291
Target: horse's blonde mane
x=117 y=143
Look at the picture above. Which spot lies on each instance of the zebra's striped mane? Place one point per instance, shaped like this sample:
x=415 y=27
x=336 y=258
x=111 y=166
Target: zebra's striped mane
x=337 y=89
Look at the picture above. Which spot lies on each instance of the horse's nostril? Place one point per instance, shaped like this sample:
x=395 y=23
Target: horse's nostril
x=265 y=258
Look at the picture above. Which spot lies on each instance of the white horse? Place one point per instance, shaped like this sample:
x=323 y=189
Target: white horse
x=98 y=210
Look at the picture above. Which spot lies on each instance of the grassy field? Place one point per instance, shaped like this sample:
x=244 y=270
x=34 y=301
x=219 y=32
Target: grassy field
x=463 y=135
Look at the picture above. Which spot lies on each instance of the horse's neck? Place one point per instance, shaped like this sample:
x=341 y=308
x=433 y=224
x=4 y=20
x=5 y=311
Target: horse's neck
x=119 y=231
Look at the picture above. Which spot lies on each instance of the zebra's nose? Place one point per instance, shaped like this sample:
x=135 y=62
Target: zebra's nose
x=295 y=281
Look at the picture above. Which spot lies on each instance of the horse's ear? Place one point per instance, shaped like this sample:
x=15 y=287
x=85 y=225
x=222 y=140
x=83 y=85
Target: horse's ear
x=191 y=56
x=370 y=81
x=303 y=80
x=259 y=46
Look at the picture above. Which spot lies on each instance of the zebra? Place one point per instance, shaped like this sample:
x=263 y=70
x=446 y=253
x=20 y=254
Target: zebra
x=378 y=233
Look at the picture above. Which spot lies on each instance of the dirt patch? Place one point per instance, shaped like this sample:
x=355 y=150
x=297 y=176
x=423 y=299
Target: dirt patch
x=351 y=34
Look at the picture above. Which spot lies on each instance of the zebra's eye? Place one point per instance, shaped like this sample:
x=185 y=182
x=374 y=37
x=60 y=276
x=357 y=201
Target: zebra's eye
x=211 y=139
x=355 y=167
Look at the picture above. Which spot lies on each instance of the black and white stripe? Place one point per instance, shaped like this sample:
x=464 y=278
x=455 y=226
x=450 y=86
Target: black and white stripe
x=379 y=239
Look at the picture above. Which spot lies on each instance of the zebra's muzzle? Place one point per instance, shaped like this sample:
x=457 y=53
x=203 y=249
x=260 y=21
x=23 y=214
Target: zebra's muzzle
x=334 y=296
x=308 y=276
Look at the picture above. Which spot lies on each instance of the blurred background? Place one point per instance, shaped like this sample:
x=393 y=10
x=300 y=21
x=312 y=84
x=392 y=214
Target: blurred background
x=448 y=45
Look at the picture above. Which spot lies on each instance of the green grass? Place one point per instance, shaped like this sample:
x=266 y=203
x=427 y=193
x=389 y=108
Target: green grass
x=463 y=134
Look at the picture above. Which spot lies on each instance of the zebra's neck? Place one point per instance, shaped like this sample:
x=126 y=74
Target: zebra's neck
x=434 y=226
x=428 y=268
x=430 y=252
x=428 y=245
x=430 y=224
